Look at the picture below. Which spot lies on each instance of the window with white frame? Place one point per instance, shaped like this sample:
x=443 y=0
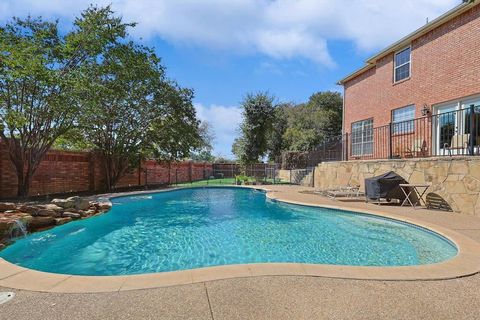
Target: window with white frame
x=402 y=120
x=402 y=64
x=362 y=137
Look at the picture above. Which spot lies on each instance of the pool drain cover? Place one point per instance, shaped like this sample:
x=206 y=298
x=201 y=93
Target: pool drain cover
x=6 y=296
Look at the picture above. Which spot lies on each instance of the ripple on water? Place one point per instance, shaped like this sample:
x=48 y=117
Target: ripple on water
x=195 y=228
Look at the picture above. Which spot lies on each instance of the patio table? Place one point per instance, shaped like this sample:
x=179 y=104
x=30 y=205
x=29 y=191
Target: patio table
x=417 y=189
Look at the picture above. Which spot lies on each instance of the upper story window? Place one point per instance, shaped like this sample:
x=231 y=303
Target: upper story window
x=402 y=119
x=402 y=64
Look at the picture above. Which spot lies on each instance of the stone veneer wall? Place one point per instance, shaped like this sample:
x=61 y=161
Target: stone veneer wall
x=457 y=180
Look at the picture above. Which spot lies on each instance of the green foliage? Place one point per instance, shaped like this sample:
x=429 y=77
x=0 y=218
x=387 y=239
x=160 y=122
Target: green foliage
x=238 y=146
x=131 y=111
x=241 y=177
x=276 y=141
x=310 y=123
x=89 y=89
x=40 y=73
x=269 y=129
x=119 y=106
x=258 y=117
x=175 y=132
x=73 y=140
x=207 y=138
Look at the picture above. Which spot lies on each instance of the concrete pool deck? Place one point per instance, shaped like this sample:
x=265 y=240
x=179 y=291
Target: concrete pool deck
x=242 y=296
x=467 y=261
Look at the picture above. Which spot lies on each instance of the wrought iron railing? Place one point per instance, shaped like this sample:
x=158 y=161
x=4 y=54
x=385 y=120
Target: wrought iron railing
x=444 y=134
x=453 y=133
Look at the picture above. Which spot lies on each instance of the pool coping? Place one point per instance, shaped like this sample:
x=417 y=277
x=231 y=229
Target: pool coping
x=465 y=263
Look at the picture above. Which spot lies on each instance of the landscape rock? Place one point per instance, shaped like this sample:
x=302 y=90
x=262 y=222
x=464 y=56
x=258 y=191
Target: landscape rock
x=12 y=211
x=39 y=217
x=64 y=203
x=51 y=206
x=72 y=215
x=48 y=213
x=29 y=209
x=80 y=203
x=37 y=223
x=60 y=221
x=90 y=212
x=104 y=205
x=4 y=206
x=5 y=226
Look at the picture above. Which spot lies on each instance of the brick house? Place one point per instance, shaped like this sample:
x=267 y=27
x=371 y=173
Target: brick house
x=415 y=97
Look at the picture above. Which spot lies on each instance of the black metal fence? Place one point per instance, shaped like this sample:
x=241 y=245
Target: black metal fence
x=260 y=171
x=452 y=133
x=218 y=174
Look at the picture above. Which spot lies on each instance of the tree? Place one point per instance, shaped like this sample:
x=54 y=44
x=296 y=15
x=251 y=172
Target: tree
x=207 y=136
x=175 y=132
x=72 y=140
x=40 y=72
x=258 y=116
x=132 y=111
x=238 y=147
x=311 y=123
x=276 y=141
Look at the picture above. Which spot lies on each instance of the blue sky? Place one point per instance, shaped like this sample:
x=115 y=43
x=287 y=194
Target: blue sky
x=224 y=49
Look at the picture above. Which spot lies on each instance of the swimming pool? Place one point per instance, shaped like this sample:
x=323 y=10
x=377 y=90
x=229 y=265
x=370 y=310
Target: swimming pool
x=200 y=227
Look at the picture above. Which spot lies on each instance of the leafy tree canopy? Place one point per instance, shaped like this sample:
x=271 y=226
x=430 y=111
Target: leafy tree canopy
x=204 y=151
x=271 y=129
x=40 y=73
x=258 y=117
x=310 y=123
x=131 y=111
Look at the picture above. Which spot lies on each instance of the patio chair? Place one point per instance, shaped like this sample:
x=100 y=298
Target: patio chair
x=458 y=142
x=418 y=148
x=347 y=191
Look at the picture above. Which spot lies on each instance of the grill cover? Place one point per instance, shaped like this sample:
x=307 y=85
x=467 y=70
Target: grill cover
x=385 y=186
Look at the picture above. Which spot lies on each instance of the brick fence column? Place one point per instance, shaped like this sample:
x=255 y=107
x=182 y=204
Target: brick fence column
x=190 y=171
x=2 y=150
x=140 y=167
x=91 y=172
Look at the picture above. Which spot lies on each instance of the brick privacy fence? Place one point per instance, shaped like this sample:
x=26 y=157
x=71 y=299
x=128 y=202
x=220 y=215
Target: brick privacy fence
x=66 y=172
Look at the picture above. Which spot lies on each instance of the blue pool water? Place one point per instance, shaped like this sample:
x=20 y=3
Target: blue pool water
x=194 y=228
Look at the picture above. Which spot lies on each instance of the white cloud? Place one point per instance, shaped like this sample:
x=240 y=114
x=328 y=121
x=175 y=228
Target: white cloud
x=278 y=29
x=281 y=29
x=224 y=121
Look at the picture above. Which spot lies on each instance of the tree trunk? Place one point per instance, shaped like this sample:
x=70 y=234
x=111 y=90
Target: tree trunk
x=19 y=157
x=115 y=169
x=23 y=188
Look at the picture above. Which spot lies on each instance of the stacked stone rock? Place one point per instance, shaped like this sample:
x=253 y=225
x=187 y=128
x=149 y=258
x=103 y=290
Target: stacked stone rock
x=43 y=216
x=455 y=179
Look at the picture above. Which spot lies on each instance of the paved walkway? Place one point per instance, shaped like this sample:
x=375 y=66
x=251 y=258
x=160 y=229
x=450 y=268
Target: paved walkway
x=276 y=297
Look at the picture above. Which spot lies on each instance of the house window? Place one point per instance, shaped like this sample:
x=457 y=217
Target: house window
x=402 y=64
x=402 y=120
x=362 y=137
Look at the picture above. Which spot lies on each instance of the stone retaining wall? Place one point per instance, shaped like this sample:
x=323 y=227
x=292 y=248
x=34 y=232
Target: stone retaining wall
x=457 y=180
x=284 y=175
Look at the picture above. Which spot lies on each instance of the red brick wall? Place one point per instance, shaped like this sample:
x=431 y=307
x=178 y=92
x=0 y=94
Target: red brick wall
x=64 y=172
x=445 y=66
